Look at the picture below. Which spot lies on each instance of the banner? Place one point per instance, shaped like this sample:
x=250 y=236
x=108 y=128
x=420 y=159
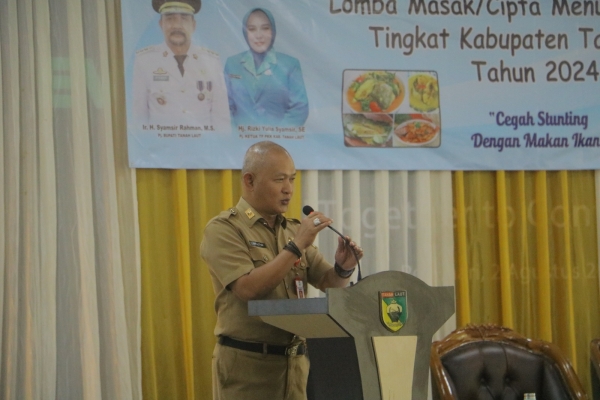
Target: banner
x=364 y=84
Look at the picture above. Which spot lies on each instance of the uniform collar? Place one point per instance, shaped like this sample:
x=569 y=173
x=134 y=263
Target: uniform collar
x=166 y=51
x=248 y=61
x=251 y=216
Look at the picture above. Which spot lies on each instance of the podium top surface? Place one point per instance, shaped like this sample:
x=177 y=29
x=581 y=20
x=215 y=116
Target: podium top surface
x=262 y=308
x=309 y=318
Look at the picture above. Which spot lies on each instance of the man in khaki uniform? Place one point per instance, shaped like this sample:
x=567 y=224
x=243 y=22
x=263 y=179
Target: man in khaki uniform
x=176 y=82
x=254 y=252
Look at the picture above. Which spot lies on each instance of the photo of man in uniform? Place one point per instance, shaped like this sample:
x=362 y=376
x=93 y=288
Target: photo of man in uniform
x=177 y=82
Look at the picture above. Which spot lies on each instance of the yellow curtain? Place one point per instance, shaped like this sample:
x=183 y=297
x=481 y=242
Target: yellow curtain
x=178 y=315
x=526 y=256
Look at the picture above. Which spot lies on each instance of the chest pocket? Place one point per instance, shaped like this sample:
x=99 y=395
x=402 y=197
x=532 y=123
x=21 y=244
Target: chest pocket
x=260 y=256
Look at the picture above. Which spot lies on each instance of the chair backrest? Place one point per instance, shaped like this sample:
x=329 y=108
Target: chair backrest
x=494 y=362
x=595 y=367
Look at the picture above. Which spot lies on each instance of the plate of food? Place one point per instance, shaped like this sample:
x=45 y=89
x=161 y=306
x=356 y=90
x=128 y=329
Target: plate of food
x=417 y=132
x=375 y=92
x=367 y=130
x=424 y=93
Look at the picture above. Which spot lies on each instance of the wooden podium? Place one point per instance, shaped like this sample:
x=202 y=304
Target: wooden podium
x=368 y=341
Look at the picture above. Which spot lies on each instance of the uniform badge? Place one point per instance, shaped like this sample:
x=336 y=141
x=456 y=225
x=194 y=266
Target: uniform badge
x=200 y=87
x=235 y=76
x=249 y=213
x=392 y=309
x=161 y=100
x=257 y=244
x=160 y=71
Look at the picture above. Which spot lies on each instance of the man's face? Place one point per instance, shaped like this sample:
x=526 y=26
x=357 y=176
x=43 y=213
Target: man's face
x=259 y=32
x=177 y=28
x=274 y=185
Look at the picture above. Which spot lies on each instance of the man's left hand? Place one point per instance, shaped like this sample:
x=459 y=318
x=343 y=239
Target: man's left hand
x=344 y=255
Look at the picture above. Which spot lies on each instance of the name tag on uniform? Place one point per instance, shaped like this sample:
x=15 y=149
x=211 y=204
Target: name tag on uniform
x=161 y=77
x=234 y=76
x=257 y=244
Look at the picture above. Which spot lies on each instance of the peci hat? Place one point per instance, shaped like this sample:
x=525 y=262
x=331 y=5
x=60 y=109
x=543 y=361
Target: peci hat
x=176 y=6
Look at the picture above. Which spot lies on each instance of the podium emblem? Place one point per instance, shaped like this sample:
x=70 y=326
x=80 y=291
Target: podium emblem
x=392 y=309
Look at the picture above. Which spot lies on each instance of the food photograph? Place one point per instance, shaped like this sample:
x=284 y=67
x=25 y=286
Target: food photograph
x=416 y=130
x=424 y=92
x=390 y=109
x=375 y=91
x=368 y=130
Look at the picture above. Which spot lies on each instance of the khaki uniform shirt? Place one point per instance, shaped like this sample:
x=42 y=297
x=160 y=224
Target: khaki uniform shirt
x=234 y=243
x=161 y=95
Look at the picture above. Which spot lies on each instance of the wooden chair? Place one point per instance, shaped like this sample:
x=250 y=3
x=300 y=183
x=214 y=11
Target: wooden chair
x=495 y=362
x=595 y=368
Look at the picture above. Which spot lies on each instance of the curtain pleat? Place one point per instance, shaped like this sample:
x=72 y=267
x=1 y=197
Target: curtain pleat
x=442 y=235
x=426 y=246
x=462 y=290
x=182 y=231
x=79 y=154
x=568 y=267
x=118 y=278
x=127 y=213
x=310 y=179
x=48 y=198
x=505 y=278
x=205 y=202
x=519 y=187
x=11 y=148
x=163 y=358
x=380 y=250
x=29 y=343
x=543 y=257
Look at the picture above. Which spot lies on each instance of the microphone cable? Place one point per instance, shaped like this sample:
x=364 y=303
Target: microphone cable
x=307 y=210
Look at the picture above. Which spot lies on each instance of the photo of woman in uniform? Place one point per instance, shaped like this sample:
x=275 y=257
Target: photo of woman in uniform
x=265 y=87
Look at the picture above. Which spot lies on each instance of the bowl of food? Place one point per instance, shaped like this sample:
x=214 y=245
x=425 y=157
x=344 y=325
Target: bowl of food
x=367 y=130
x=375 y=92
x=424 y=93
x=417 y=132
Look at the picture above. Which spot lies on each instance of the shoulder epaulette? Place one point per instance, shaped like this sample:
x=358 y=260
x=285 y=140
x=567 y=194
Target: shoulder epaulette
x=147 y=49
x=208 y=51
x=228 y=213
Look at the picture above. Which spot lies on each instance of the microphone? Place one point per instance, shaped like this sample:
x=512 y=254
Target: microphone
x=307 y=210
